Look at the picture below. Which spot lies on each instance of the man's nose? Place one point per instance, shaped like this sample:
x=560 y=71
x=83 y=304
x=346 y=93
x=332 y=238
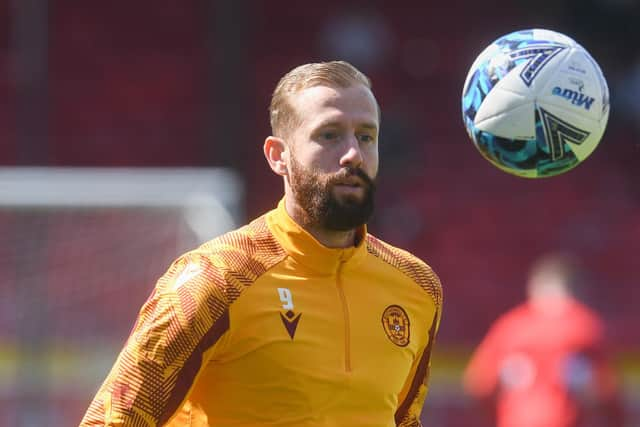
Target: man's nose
x=353 y=156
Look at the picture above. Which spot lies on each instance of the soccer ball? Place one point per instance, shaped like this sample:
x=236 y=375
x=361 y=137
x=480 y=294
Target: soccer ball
x=535 y=103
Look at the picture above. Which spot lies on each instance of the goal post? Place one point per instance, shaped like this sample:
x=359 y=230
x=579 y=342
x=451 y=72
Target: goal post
x=80 y=250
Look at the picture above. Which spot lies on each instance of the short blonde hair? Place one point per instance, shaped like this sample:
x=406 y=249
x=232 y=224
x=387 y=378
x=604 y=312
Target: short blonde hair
x=564 y=266
x=338 y=74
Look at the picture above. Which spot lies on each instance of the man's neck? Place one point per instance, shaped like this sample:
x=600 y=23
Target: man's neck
x=332 y=239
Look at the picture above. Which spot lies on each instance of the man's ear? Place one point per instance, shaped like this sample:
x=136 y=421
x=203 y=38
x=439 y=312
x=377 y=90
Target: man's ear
x=277 y=153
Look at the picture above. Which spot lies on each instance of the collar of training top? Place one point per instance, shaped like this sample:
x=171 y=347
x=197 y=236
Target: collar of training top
x=306 y=250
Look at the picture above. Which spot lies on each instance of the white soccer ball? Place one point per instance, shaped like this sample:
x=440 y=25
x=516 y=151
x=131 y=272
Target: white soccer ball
x=535 y=103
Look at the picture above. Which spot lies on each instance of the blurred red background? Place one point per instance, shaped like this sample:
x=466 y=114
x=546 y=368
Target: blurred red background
x=167 y=83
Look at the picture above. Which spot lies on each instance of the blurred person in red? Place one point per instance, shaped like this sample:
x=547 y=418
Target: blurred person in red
x=543 y=363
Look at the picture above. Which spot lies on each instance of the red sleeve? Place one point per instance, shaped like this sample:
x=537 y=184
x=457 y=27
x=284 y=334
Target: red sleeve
x=480 y=378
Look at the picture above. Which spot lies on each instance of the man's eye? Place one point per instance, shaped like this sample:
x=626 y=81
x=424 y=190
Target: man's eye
x=366 y=138
x=329 y=135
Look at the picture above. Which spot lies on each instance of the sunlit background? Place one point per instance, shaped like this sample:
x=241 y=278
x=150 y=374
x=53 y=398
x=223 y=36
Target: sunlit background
x=172 y=97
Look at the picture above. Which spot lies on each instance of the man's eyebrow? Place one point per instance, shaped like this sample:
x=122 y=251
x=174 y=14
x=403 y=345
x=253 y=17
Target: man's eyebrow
x=369 y=126
x=337 y=124
x=329 y=124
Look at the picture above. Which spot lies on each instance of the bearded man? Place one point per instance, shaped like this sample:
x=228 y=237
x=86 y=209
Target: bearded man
x=300 y=318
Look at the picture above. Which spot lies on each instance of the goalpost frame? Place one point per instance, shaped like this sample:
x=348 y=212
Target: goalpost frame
x=208 y=201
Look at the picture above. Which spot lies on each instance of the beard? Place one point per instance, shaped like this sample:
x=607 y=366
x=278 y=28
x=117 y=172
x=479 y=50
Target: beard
x=314 y=192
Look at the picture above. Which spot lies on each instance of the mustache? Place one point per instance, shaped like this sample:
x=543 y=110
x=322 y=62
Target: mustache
x=348 y=172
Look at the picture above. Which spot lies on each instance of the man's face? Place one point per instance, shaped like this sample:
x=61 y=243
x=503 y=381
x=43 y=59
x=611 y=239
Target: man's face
x=334 y=155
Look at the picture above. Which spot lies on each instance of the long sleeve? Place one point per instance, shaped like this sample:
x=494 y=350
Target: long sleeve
x=173 y=337
x=480 y=378
x=410 y=409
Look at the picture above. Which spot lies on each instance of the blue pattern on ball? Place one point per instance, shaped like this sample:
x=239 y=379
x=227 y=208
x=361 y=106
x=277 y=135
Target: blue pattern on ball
x=529 y=157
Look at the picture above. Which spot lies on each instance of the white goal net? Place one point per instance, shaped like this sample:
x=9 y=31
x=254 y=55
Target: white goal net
x=80 y=250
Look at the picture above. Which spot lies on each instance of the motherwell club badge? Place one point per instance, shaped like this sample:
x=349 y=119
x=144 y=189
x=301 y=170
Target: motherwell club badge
x=395 y=323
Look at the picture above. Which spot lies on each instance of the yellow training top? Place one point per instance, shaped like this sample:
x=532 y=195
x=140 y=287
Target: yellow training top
x=264 y=326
